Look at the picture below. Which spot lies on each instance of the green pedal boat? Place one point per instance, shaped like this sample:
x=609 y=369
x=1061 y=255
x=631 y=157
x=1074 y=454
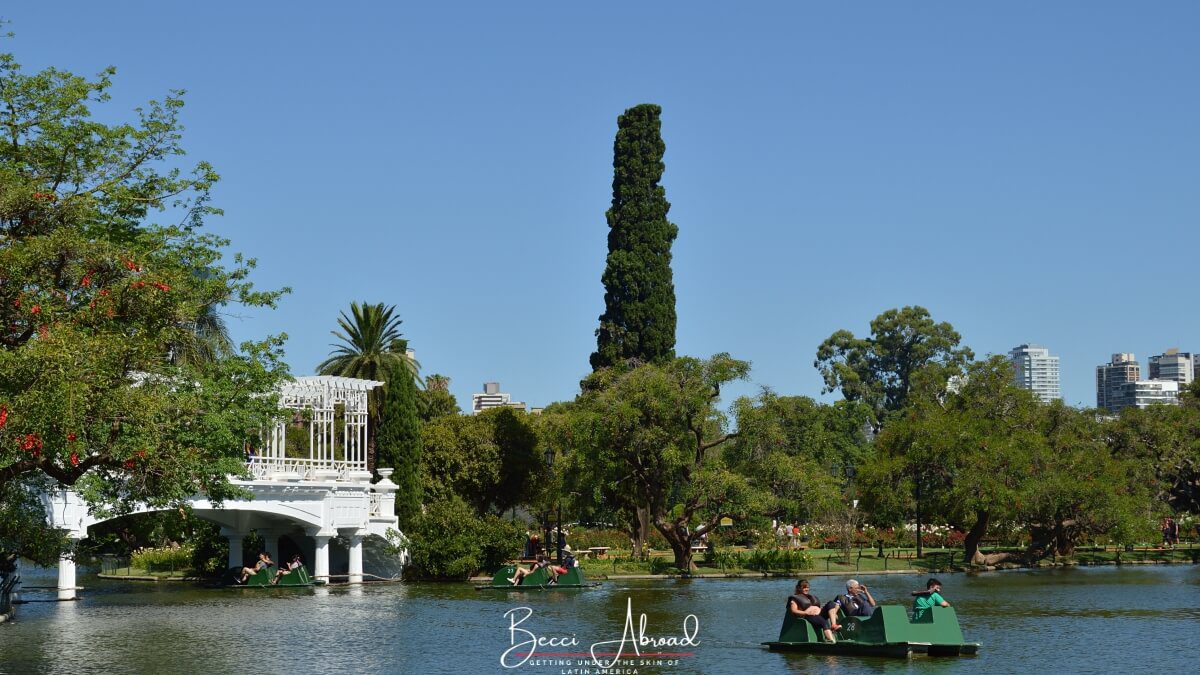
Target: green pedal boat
x=264 y=577
x=887 y=632
x=538 y=580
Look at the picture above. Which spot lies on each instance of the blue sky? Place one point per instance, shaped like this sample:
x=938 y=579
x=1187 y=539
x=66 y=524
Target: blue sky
x=1028 y=171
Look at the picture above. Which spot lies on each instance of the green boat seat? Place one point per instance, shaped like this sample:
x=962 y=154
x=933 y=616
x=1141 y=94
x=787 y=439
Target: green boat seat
x=296 y=577
x=541 y=577
x=796 y=629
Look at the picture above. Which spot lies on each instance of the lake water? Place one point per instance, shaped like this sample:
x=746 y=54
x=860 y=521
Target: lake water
x=1081 y=620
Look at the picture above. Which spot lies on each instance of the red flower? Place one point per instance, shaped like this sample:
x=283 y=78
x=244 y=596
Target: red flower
x=137 y=284
x=129 y=464
x=31 y=442
x=3 y=415
x=103 y=292
x=44 y=331
x=17 y=303
x=36 y=309
x=71 y=437
x=161 y=286
x=132 y=266
x=110 y=312
x=74 y=459
x=86 y=280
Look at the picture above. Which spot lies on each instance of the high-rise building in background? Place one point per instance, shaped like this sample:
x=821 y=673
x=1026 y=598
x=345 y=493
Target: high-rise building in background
x=492 y=397
x=1111 y=376
x=1173 y=366
x=1143 y=393
x=1036 y=370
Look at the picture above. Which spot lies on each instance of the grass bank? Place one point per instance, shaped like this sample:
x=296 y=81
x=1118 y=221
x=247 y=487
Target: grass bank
x=733 y=562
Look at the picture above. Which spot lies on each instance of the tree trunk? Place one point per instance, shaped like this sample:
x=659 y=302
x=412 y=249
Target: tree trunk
x=1064 y=543
x=971 y=552
x=680 y=541
x=683 y=556
x=635 y=534
x=643 y=529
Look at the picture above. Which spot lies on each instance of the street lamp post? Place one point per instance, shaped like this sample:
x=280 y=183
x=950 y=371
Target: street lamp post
x=919 y=549
x=558 y=536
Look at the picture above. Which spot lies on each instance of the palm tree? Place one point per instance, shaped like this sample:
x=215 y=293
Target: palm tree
x=206 y=341
x=437 y=382
x=371 y=348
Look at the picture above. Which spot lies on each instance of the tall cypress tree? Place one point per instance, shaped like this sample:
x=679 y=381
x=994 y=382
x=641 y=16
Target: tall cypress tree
x=399 y=443
x=639 y=293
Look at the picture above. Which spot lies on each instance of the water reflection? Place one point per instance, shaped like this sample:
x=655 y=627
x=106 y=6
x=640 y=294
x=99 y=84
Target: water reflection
x=1062 y=620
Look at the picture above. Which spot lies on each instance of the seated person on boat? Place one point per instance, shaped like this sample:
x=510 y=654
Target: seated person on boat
x=521 y=572
x=857 y=600
x=930 y=597
x=287 y=568
x=806 y=605
x=264 y=561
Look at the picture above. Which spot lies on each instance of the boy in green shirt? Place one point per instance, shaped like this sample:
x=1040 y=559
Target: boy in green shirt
x=929 y=598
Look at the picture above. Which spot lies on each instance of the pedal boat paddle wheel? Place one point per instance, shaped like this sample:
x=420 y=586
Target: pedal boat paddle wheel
x=887 y=632
x=538 y=580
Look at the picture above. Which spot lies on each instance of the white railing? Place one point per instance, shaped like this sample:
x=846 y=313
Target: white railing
x=265 y=468
x=376 y=507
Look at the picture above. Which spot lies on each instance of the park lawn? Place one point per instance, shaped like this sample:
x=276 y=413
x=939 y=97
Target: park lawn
x=140 y=572
x=868 y=560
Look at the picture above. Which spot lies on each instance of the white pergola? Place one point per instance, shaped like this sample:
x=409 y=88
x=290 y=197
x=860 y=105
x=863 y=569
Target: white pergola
x=319 y=395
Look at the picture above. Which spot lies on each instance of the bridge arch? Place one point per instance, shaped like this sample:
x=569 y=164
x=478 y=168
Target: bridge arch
x=323 y=490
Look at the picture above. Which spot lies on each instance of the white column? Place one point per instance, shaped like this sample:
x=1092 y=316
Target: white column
x=66 y=578
x=271 y=543
x=356 y=559
x=321 y=559
x=236 y=556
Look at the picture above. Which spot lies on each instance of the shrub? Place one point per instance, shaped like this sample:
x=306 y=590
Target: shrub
x=724 y=558
x=580 y=538
x=778 y=560
x=164 y=559
x=449 y=541
x=663 y=566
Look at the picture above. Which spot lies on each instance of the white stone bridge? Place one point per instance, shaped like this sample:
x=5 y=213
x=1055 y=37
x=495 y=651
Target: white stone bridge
x=309 y=482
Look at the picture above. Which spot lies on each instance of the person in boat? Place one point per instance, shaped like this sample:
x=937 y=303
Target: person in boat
x=857 y=600
x=556 y=570
x=521 y=572
x=805 y=605
x=294 y=564
x=264 y=561
x=930 y=597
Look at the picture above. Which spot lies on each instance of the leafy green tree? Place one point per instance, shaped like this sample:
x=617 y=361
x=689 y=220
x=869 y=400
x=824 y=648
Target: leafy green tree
x=639 y=294
x=436 y=400
x=399 y=443
x=878 y=370
x=654 y=433
x=207 y=340
x=790 y=446
x=1081 y=490
x=1164 y=442
x=371 y=348
x=490 y=460
x=449 y=540
x=93 y=294
x=969 y=448
x=23 y=531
